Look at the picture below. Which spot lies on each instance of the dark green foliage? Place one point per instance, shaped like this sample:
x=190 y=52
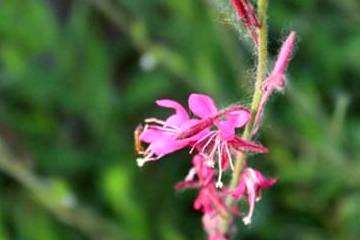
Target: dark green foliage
x=76 y=77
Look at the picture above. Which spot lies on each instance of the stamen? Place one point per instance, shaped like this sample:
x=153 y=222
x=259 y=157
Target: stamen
x=160 y=122
x=165 y=129
x=142 y=161
x=253 y=177
x=147 y=151
x=208 y=142
x=211 y=155
x=155 y=120
x=219 y=183
x=148 y=156
x=247 y=220
x=210 y=163
x=199 y=141
x=190 y=176
x=251 y=198
x=229 y=156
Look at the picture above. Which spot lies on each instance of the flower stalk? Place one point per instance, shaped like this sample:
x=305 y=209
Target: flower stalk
x=262 y=60
x=261 y=71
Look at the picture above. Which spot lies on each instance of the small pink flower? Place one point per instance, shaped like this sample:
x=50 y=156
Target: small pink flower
x=284 y=56
x=245 y=12
x=276 y=81
x=177 y=131
x=162 y=135
x=250 y=185
x=201 y=176
x=219 y=142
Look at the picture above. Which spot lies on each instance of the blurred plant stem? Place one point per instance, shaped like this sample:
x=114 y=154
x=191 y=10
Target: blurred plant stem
x=136 y=31
x=111 y=13
x=338 y=119
x=261 y=69
x=63 y=207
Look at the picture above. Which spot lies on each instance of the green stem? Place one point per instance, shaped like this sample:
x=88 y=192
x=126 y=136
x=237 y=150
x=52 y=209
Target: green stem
x=84 y=219
x=262 y=6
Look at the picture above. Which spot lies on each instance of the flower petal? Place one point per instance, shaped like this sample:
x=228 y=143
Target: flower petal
x=239 y=191
x=202 y=202
x=244 y=145
x=238 y=118
x=180 y=115
x=150 y=134
x=204 y=172
x=251 y=193
x=226 y=129
x=166 y=144
x=251 y=183
x=233 y=120
x=194 y=128
x=202 y=105
x=185 y=185
x=263 y=181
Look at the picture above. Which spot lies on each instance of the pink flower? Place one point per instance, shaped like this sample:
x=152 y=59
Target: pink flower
x=221 y=141
x=201 y=176
x=250 y=184
x=176 y=132
x=276 y=81
x=209 y=199
x=162 y=135
x=245 y=12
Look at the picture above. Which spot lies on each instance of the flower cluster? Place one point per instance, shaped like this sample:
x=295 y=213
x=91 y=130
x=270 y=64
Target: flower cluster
x=211 y=135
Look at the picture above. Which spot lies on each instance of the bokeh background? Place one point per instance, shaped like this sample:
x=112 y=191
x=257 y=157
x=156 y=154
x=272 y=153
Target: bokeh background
x=77 y=76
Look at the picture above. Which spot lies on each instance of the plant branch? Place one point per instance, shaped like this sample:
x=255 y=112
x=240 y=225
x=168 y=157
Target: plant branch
x=262 y=6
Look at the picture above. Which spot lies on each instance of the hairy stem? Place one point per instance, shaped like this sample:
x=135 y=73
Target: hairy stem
x=262 y=6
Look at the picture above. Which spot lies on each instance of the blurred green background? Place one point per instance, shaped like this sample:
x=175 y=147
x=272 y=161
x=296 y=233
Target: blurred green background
x=77 y=76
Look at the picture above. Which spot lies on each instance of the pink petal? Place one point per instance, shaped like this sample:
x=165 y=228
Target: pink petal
x=251 y=192
x=166 y=145
x=202 y=105
x=202 y=202
x=233 y=120
x=238 y=118
x=264 y=182
x=194 y=127
x=226 y=129
x=204 y=172
x=185 y=185
x=254 y=182
x=149 y=135
x=239 y=191
x=244 y=145
x=180 y=115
